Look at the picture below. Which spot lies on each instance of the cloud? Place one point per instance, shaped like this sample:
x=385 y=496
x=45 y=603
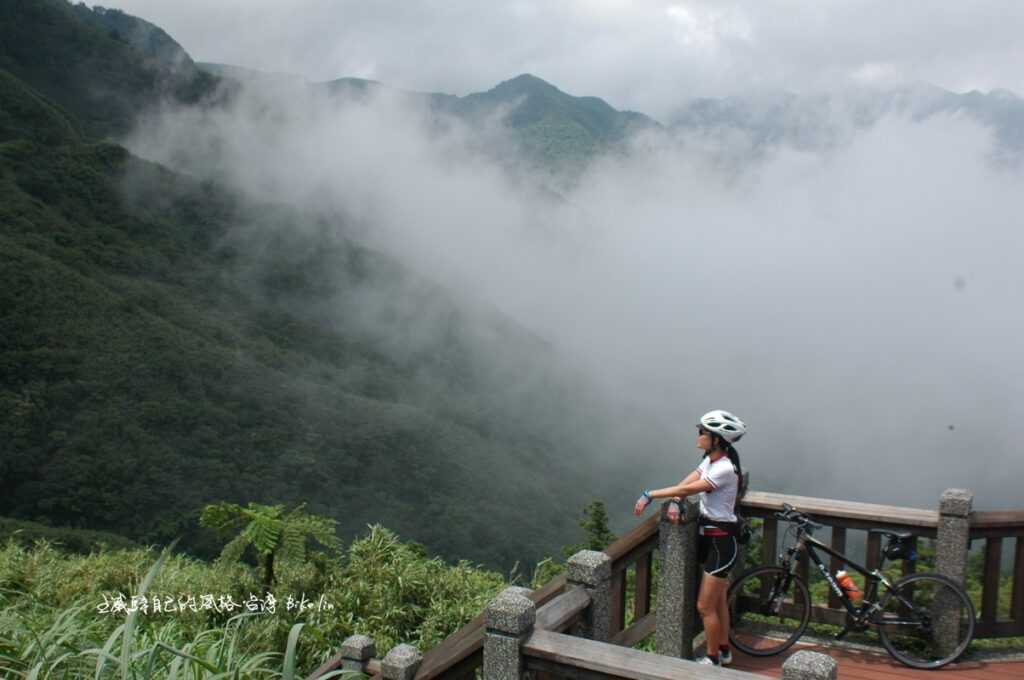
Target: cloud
x=849 y=304
x=649 y=56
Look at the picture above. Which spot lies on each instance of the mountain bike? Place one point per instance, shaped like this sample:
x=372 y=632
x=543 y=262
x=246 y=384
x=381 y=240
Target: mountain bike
x=924 y=620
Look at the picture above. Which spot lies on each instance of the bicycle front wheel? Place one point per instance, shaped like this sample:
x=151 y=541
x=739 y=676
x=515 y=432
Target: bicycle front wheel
x=769 y=609
x=926 y=621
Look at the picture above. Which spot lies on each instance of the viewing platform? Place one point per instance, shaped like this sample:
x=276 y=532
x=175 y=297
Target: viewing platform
x=585 y=623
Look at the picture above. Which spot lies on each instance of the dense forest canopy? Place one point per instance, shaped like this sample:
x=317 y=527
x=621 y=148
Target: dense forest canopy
x=152 y=364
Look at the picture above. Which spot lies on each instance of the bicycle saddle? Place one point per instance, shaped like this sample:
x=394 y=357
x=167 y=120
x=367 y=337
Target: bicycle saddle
x=897 y=535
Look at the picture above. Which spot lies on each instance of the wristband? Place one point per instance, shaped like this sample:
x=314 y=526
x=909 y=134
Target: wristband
x=647 y=494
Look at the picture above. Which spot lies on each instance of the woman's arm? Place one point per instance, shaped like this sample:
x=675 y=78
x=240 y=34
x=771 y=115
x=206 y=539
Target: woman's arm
x=693 y=476
x=688 y=487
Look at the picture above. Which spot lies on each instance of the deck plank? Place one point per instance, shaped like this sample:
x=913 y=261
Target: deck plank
x=870 y=665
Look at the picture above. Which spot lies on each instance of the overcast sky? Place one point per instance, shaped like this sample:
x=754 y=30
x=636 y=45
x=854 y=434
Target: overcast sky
x=645 y=55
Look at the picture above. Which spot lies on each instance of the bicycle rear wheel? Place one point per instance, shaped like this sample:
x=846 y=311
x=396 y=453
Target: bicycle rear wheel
x=926 y=621
x=769 y=609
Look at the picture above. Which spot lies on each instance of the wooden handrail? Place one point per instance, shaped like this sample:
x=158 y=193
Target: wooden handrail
x=566 y=655
x=852 y=510
x=1009 y=519
x=558 y=614
x=468 y=641
x=636 y=536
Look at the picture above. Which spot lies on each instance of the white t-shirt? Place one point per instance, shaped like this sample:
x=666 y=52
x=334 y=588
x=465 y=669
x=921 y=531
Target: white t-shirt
x=718 y=503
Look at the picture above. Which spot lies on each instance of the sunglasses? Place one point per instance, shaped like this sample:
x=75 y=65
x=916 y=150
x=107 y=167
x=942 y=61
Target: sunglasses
x=701 y=430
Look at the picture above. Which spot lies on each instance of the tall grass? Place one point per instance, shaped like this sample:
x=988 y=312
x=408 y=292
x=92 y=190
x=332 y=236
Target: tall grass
x=381 y=587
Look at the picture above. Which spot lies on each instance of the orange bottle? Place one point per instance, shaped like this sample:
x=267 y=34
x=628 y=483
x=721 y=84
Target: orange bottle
x=847 y=583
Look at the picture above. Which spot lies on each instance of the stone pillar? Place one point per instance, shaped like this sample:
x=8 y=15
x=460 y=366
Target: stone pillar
x=593 y=571
x=356 y=651
x=951 y=548
x=401 y=663
x=741 y=553
x=807 y=665
x=509 y=620
x=676 y=609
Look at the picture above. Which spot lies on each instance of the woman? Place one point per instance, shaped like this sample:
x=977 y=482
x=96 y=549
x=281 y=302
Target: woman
x=717 y=480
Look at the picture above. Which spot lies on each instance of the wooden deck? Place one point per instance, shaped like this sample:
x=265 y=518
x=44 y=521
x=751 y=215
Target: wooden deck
x=870 y=665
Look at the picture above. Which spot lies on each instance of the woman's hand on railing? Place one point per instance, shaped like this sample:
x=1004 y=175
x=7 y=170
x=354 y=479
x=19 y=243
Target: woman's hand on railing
x=673 y=514
x=642 y=503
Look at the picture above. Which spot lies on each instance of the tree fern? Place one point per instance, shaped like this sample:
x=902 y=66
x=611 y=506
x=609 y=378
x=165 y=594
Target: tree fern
x=273 y=534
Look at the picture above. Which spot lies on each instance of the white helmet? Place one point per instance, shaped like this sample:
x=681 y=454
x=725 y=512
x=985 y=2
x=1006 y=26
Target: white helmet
x=724 y=423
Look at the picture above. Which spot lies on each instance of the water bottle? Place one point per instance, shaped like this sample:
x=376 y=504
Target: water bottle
x=848 y=585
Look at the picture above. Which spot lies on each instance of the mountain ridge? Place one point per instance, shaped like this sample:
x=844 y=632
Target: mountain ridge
x=166 y=343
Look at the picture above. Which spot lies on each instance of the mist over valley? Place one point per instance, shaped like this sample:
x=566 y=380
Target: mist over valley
x=465 y=317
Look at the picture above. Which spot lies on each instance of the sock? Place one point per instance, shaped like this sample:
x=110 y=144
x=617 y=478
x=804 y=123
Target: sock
x=723 y=649
x=714 y=657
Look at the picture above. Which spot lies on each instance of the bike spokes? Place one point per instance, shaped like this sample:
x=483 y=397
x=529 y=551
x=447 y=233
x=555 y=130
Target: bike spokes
x=926 y=621
x=769 y=611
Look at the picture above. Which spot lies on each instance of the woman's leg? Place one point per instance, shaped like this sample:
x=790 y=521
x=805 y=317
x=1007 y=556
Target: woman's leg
x=723 y=606
x=712 y=593
x=723 y=616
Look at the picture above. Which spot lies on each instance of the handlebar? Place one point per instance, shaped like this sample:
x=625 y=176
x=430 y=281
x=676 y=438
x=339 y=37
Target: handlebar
x=791 y=514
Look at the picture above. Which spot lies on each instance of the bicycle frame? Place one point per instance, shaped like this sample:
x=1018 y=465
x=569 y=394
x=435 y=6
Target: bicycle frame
x=924 y=620
x=810 y=545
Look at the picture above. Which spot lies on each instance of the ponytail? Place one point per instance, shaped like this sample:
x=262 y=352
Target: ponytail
x=720 y=443
x=734 y=458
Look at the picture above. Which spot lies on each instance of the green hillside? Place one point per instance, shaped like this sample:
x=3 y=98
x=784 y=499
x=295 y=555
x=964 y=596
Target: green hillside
x=85 y=61
x=164 y=344
x=557 y=133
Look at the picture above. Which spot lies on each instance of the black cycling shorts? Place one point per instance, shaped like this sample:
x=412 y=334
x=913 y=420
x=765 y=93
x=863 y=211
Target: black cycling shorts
x=717 y=554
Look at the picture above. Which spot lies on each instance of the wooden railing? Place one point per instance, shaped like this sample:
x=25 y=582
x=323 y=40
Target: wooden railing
x=840 y=516
x=633 y=552
x=560 y=604
x=994 y=528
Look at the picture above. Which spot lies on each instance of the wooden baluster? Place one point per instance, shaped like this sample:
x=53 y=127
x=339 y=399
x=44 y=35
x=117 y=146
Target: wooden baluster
x=618 y=601
x=1017 y=600
x=769 y=538
x=642 y=601
x=874 y=550
x=910 y=566
x=990 y=586
x=839 y=545
x=803 y=567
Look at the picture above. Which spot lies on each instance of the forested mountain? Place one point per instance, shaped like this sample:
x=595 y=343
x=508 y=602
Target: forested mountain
x=557 y=131
x=150 y=365
x=817 y=121
x=90 y=63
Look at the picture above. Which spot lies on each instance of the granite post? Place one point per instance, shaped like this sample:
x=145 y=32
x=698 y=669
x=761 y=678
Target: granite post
x=356 y=651
x=951 y=547
x=592 y=570
x=509 y=620
x=807 y=665
x=676 y=608
x=401 y=663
